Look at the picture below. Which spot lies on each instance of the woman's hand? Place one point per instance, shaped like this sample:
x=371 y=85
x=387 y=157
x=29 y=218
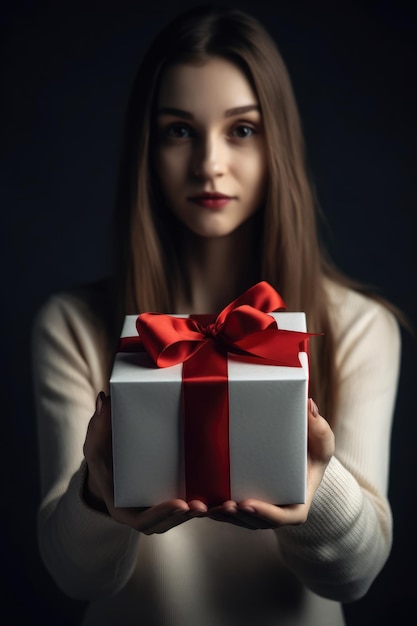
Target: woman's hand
x=98 y=492
x=256 y=514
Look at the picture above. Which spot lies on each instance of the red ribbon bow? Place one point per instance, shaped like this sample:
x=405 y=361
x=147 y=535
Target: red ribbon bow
x=202 y=343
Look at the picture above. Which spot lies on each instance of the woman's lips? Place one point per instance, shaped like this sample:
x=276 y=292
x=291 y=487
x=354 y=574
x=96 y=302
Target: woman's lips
x=211 y=200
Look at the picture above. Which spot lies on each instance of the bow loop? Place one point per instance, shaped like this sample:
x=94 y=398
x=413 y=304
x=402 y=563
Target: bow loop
x=169 y=340
x=244 y=320
x=261 y=296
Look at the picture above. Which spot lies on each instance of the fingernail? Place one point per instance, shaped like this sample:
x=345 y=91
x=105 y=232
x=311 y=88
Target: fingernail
x=99 y=402
x=313 y=407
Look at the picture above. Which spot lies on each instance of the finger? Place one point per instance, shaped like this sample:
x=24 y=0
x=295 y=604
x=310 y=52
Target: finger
x=321 y=442
x=232 y=519
x=244 y=519
x=198 y=506
x=98 y=436
x=271 y=516
x=170 y=522
x=98 y=454
x=155 y=515
x=161 y=517
x=167 y=515
x=143 y=518
x=228 y=512
x=232 y=513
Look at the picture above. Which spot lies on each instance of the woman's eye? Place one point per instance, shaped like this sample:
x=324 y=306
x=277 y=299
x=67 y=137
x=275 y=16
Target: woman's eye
x=178 y=131
x=243 y=131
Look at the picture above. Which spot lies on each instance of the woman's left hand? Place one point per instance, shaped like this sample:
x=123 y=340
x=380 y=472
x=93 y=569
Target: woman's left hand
x=256 y=514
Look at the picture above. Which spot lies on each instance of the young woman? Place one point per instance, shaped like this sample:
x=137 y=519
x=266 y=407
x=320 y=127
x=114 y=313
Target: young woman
x=214 y=197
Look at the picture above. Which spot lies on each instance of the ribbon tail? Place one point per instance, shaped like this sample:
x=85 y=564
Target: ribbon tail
x=275 y=346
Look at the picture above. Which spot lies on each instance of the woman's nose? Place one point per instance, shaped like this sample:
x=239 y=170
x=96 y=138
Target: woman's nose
x=209 y=158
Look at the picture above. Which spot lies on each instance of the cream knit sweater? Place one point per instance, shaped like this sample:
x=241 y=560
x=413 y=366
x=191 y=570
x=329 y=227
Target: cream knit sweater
x=206 y=573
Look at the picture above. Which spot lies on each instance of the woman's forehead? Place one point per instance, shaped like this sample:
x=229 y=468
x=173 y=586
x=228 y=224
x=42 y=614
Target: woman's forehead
x=215 y=83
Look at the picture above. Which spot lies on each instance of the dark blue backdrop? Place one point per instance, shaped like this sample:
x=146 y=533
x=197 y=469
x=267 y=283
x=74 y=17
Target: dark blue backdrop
x=66 y=71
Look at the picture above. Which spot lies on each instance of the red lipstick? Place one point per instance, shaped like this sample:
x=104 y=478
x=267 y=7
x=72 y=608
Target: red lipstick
x=210 y=199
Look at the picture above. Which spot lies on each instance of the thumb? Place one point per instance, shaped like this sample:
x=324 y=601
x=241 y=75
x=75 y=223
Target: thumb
x=98 y=437
x=321 y=442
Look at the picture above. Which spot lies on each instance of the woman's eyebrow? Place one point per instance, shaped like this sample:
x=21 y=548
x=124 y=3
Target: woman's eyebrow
x=241 y=110
x=176 y=112
x=189 y=116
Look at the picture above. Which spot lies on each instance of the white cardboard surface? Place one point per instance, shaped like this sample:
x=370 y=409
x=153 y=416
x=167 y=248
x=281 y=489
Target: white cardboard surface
x=268 y=427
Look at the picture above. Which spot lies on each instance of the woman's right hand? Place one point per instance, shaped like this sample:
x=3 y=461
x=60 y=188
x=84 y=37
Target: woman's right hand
x=99 y=493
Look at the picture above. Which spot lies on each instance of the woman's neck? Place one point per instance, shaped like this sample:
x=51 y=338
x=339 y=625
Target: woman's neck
x=217 y=270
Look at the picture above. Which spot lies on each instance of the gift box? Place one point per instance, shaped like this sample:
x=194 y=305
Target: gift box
x=264 y=434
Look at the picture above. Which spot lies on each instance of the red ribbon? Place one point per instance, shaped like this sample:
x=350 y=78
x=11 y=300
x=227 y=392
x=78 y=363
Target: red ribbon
x=202 y=343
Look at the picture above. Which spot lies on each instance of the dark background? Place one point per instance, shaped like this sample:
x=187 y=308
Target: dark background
x=66 y=72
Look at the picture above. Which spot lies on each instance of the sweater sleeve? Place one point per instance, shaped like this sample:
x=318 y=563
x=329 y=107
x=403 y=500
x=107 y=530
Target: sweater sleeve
x=347 y=538
x=86 y=552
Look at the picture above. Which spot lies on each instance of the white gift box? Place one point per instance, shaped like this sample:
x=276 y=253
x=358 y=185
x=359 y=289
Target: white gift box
x=267 y=427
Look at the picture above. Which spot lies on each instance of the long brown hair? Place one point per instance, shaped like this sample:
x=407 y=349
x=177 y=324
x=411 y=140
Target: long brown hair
x=291 y=257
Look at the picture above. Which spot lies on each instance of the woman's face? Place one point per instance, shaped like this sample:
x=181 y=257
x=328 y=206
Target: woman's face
x=210 y=153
